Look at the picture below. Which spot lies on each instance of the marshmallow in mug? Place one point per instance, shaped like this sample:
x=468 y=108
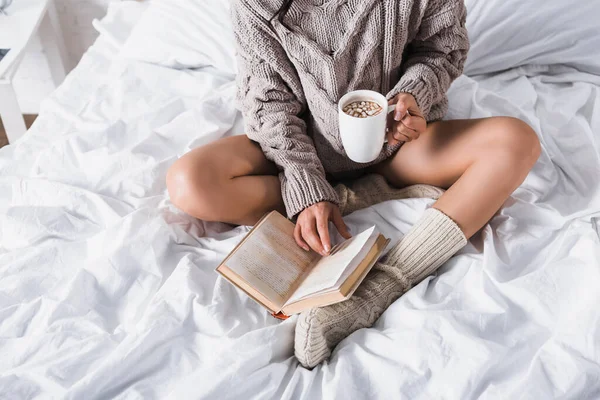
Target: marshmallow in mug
x=362 y=109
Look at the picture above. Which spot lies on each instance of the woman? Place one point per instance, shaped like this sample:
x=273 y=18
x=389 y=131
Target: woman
x=297 y=58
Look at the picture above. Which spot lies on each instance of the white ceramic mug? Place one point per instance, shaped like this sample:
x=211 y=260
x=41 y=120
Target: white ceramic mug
x=363 y=138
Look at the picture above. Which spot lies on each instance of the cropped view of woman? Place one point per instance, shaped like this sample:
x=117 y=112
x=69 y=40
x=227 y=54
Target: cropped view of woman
x=297 y=58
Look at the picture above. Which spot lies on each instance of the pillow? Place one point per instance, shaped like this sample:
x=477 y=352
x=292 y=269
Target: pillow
x=184 y=34
x=119 y=20
x=509 y=33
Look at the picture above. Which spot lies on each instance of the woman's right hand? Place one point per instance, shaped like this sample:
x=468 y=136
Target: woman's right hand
x=312 y=227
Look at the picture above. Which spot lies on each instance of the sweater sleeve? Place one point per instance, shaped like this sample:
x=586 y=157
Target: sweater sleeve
x=271 y=98
x=436 y=57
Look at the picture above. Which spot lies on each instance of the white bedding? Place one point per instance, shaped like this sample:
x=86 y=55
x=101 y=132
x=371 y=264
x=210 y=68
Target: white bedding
x=108 y=291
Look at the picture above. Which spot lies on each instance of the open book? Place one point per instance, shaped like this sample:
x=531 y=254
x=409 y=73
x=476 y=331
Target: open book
x=272 y=269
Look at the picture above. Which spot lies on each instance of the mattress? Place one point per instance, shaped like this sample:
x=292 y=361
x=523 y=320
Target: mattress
x=108 y=291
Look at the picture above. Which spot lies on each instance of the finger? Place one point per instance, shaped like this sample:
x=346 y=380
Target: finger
x=409 y=100
x=410 y=133
x=323 y=229
x=401 y=137
x=415 y=123
x=414 y=110
x=390 y=138
x=298 y=237
x=340 y=225
x=401 y=110
x=309 y=234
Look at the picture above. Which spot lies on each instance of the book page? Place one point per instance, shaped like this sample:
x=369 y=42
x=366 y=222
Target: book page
x=270 y=260
x=328 y=270
x=362 y=254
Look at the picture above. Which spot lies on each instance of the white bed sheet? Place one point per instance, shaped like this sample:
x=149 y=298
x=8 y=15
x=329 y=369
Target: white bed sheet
x=108 y=291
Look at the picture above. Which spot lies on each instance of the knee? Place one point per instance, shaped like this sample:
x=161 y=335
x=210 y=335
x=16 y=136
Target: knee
x=192 y=182
x=515 y=144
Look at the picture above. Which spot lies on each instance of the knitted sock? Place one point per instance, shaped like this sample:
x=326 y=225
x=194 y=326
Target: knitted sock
x=429 y=244
x=373 y=189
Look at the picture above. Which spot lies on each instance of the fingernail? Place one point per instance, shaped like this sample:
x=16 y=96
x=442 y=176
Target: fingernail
x=327 y=248
x=306 y=249
x=398 y=116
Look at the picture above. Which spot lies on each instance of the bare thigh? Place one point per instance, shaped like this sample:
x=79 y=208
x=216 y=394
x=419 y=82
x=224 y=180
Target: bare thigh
x=229 y=180
x=440 y=155
x=481 y=162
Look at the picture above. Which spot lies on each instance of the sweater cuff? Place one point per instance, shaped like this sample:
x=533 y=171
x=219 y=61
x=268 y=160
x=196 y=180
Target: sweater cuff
x=416 y=86
x=301 y=188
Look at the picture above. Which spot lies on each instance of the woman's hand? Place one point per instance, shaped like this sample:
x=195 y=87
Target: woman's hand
x=407 y=122
x=312 y=227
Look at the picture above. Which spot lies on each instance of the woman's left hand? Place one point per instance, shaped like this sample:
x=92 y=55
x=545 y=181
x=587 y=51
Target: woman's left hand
x=407 y=123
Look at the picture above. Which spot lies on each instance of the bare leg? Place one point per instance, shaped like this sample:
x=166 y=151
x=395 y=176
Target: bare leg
x=481 y=162
x=229 y=180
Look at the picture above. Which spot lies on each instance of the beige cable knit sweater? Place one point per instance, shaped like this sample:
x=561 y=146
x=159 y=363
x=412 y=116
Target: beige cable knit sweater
x=292 y=75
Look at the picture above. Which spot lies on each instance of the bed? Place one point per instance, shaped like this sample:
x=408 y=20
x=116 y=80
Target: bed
x=108 y=291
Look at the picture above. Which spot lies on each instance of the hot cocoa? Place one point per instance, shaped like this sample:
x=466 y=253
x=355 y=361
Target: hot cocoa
x=362 y=108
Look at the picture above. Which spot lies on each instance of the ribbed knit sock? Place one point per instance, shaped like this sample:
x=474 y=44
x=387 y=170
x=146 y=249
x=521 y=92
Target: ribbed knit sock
x=373 y=189
x=429 y=244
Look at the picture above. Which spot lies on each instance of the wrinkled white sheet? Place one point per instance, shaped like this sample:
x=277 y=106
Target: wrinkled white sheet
x=108 y=291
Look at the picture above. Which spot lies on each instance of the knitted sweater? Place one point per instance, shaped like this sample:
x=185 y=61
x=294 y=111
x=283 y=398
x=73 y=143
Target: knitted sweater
x=293 y=74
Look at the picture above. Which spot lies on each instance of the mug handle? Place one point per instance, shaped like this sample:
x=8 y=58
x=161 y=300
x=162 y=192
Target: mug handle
x=390 y=109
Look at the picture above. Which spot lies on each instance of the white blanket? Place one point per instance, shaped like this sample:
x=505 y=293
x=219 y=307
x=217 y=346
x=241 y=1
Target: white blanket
x=108 y=291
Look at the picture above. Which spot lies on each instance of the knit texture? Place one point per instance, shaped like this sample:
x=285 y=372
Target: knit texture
x=429 y=244
x=293 y=74
x=374 y=189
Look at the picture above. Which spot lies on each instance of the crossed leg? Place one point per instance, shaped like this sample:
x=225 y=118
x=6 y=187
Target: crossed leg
x=481 y=162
